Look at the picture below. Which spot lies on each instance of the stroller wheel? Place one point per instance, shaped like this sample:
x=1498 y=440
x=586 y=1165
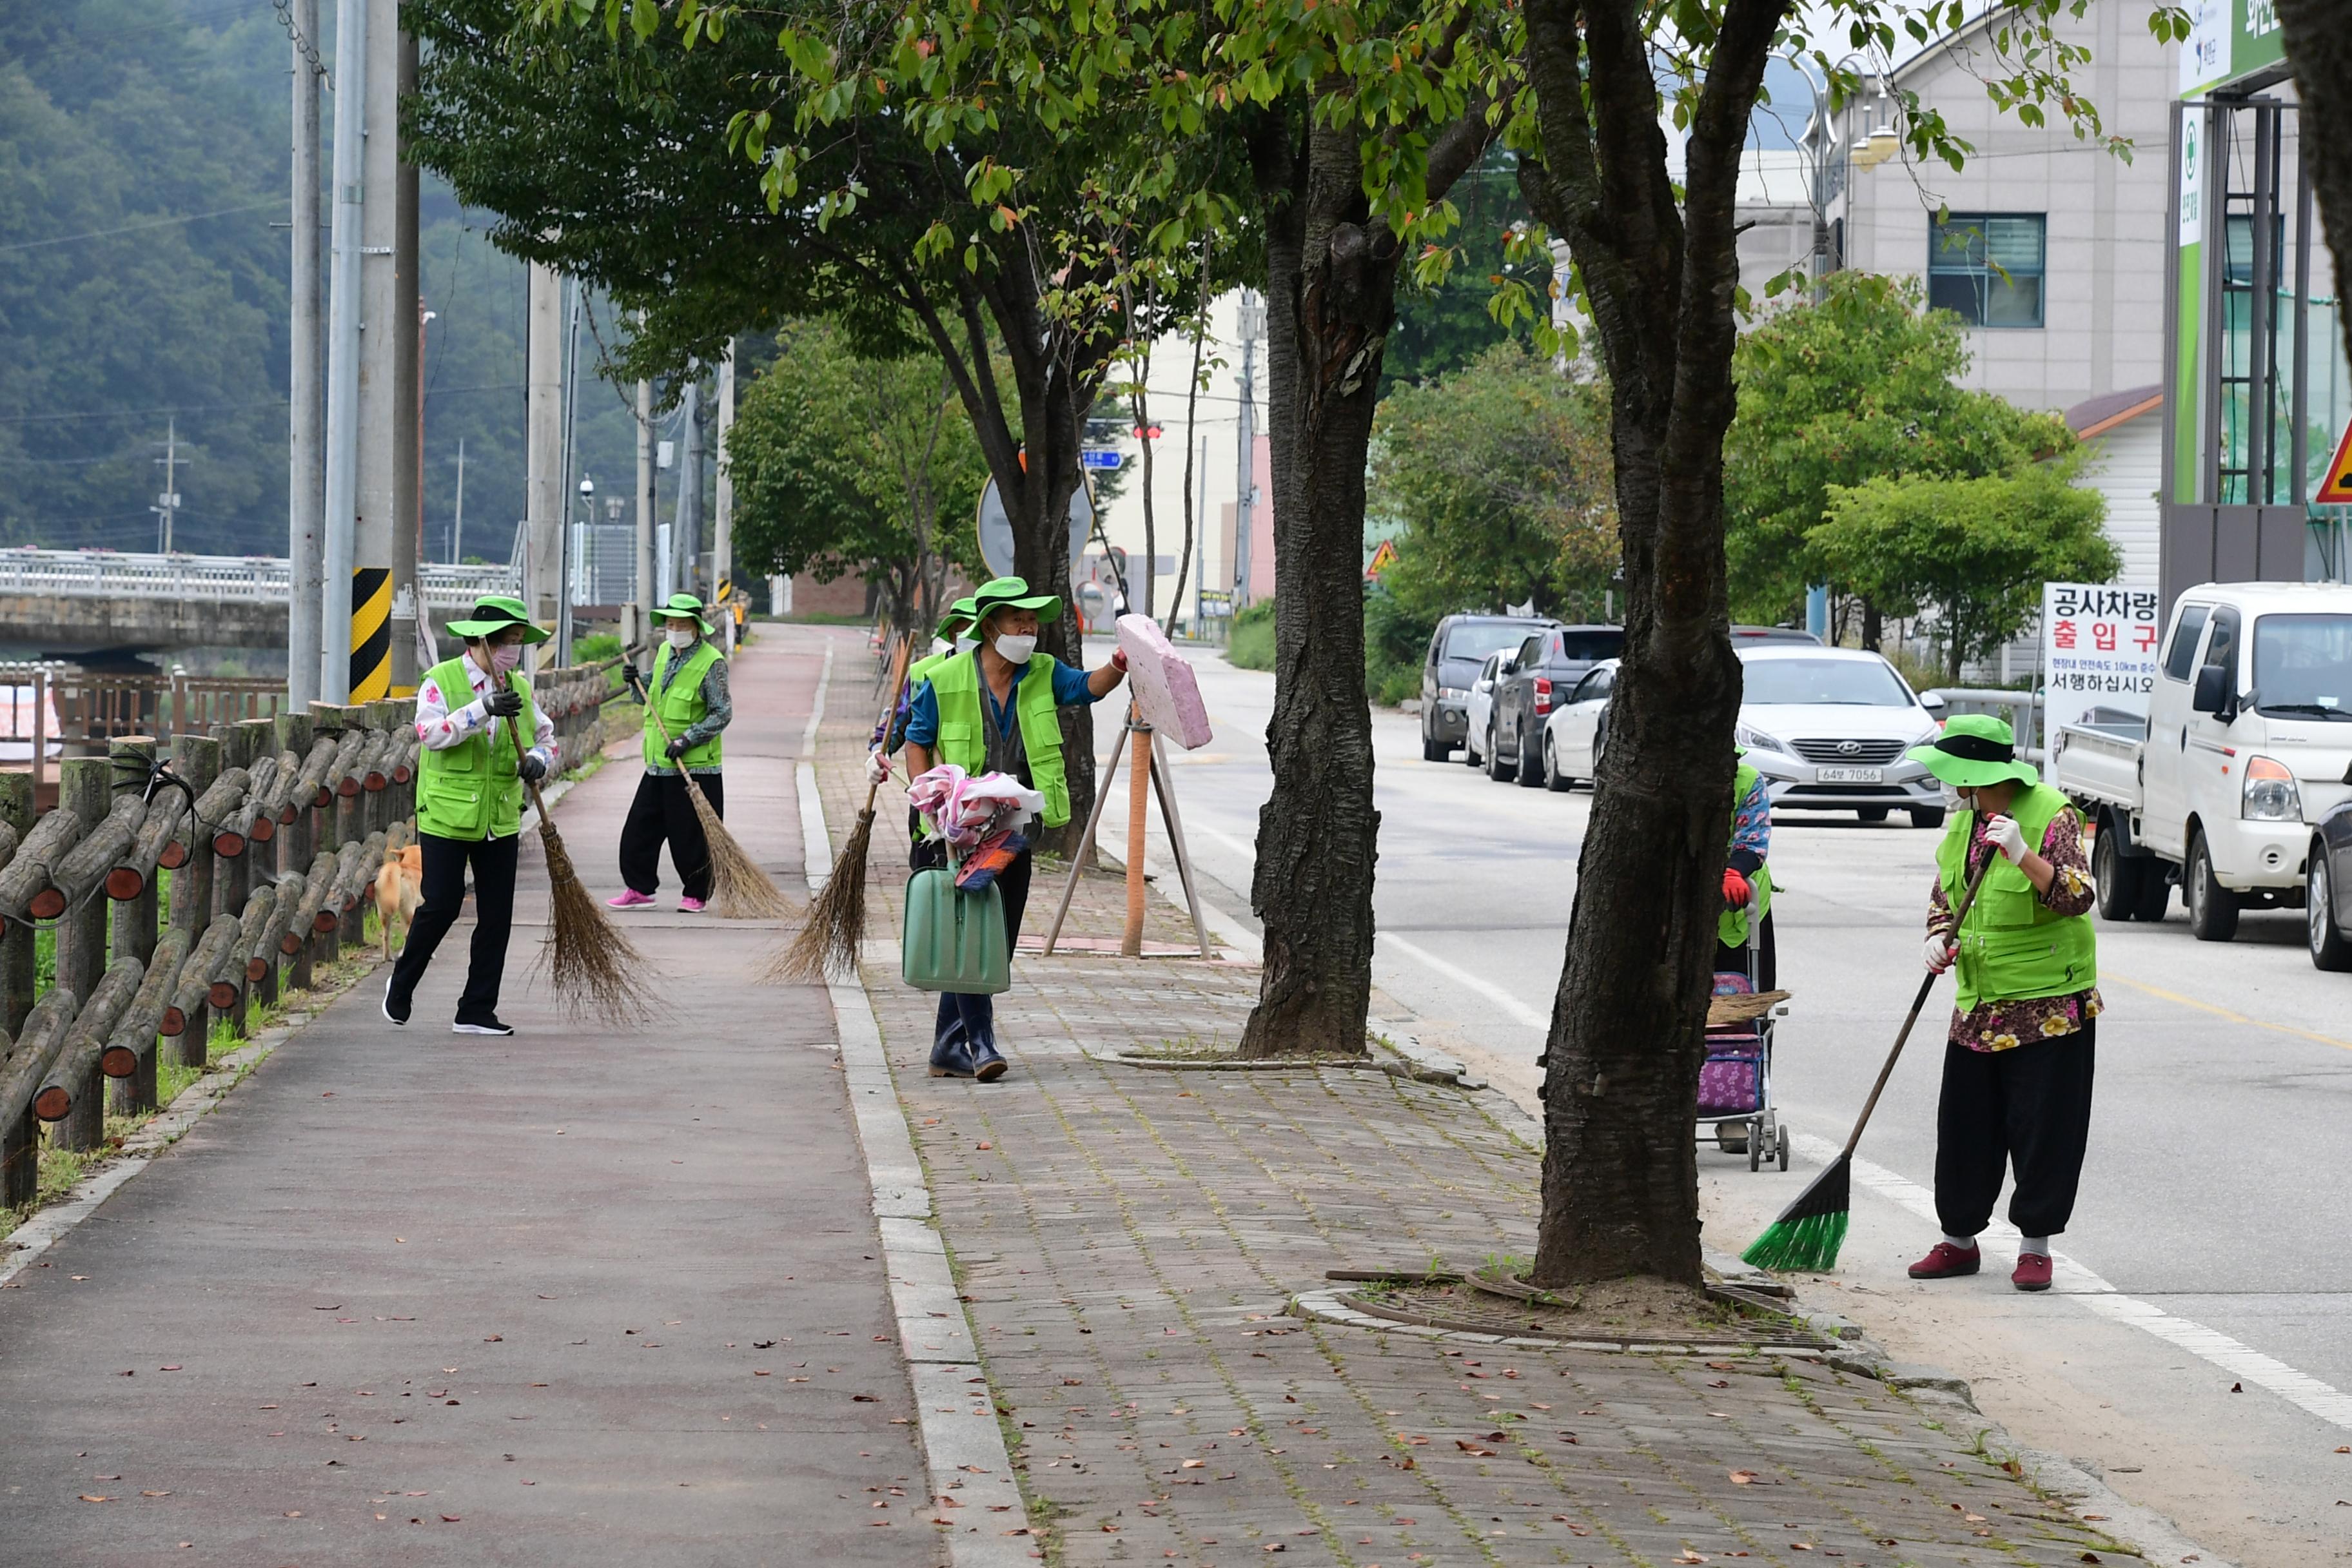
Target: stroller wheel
x=1784 y=1148
x=1756 y=1149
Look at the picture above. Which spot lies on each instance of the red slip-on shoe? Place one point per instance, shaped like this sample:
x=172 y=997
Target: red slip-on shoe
x=2033 y=1271
x=1944 y=1261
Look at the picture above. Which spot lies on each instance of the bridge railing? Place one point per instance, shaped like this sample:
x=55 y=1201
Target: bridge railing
x=257 y=579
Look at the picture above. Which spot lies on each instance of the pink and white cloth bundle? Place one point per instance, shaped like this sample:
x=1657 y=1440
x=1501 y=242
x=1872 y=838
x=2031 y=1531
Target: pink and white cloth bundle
x=968 y=810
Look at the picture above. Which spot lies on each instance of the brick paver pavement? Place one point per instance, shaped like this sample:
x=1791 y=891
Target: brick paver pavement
x=1127 y=1240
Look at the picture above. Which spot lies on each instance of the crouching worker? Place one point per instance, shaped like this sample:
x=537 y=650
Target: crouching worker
x=469 y=794
x=994 y=710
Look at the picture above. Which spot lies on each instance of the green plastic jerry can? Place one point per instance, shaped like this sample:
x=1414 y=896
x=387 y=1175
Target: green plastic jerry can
x=954 y=939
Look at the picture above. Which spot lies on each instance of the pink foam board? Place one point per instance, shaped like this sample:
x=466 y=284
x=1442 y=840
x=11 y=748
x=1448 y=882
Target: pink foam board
x=1163 y=684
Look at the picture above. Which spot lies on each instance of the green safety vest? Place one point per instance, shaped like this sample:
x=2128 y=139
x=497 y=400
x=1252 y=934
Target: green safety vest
x=473 y=790
x=916 y=673
x=2014 y=947
x=678 y=699
x=1732 y=926
x=955 y=682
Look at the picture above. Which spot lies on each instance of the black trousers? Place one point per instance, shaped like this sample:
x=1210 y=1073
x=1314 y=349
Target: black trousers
x=972 y=1019
x=1733 y=960
x=2027 y=1107
x=662 y=814
x=443 y=886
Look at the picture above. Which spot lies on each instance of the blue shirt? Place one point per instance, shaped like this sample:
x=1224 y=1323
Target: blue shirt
x=1070 y=690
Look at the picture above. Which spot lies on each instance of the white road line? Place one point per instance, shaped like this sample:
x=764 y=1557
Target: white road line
x=2072 y=1278
x=1509 y=1005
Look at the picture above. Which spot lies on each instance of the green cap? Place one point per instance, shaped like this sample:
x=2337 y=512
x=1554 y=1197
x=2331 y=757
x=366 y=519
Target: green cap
x=960 y=615
x=1975 y=749
x=1013 y=593
x=683 y=607
x=496 y=613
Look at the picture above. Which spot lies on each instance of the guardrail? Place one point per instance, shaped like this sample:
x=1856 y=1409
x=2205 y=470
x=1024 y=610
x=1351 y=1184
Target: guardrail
x=253 y=579
x=2022 y=709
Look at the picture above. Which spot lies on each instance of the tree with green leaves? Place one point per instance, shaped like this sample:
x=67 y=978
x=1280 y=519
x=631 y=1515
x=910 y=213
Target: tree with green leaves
x=1499 y=472
x=1861 y=382
x=1972 y=554
x=845 y=462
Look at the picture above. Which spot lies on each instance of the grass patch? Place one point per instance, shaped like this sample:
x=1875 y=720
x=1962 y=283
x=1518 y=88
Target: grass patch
x=1251 y=646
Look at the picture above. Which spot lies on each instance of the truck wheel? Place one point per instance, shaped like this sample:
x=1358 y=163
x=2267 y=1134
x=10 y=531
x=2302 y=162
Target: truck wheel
x=2212 y=908
x=2122 y=879
x=2329 y=950
x=1927 y=816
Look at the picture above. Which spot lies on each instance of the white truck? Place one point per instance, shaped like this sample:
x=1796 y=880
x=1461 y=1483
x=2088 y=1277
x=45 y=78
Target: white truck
x=2245 y=747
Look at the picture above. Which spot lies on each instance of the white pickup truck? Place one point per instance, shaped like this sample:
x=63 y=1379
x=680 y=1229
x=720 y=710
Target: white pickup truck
x=2246 y=747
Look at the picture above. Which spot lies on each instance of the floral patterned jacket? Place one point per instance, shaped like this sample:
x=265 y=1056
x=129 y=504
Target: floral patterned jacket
x=1996 y=1026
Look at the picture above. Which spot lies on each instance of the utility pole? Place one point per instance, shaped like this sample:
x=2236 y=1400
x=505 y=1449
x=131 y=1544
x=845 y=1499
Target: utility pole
x=305 y=478
x=722 y=544
x=458 y=523
x=340 y=516
x=1250 y=312
x=685 y=533
x=167 y=505
x=544 y=445
x=402 y=535
x=568 y=554
x=635 y=626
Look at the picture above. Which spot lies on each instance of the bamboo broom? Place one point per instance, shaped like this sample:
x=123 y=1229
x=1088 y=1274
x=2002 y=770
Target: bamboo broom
x=836 y=927
x=594 y=969
x=1811 y=1230
x=740 y=889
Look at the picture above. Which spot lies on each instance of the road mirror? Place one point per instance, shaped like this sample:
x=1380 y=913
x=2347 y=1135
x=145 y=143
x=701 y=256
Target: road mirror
x=2212 y=693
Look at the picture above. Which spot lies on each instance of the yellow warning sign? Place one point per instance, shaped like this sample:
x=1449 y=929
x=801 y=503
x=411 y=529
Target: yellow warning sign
x=2335 y=490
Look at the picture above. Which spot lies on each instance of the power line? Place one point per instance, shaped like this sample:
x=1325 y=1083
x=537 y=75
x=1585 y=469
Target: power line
x=136 y=228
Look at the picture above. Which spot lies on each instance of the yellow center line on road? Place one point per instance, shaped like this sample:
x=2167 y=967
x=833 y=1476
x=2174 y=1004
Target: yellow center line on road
x=2161 y=995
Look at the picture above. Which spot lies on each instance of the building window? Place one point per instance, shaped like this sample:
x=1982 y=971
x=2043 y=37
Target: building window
x=1986 y=268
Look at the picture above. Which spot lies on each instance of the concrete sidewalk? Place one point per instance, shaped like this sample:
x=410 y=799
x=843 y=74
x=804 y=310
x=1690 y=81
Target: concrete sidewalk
x=1129 y=1241
x=583 y=1296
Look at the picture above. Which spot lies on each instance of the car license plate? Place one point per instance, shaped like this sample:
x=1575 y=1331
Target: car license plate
x=1850 y=775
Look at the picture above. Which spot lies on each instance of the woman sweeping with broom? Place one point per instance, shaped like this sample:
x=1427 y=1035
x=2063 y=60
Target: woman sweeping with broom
x=687 y=707
x=470 y=777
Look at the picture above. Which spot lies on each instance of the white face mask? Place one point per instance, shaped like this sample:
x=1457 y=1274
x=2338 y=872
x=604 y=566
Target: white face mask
x=1954 y=800
x=965 y=645
x=680 y=637
x=1015 y=649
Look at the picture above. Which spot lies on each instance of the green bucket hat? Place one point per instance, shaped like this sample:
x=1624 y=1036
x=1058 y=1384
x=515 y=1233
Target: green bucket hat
x=1013 y=593
x=1975 y=749
x=683 y=606
x=960 y=616
x=496 y=613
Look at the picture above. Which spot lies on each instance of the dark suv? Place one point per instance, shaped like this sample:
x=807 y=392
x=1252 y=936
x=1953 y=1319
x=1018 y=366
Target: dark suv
x=1456 y=649
x=1539 y=674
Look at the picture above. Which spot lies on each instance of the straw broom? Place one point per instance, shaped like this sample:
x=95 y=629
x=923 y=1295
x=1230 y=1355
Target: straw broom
x=738 y=887
x=835 y=929
x=1809 y=1231
x=595 y=970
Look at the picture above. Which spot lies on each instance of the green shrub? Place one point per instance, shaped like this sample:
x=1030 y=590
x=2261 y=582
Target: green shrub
x=1253 y=640
x=596 y=648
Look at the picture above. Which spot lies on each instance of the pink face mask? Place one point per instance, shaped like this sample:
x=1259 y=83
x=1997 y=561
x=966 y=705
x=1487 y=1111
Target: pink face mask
x=504 y=659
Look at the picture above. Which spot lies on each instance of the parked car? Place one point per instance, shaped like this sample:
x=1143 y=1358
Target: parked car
x=1741 y=635
x=2328 y=890
x=2243 y=753
x=1577 y=729
x=1449 y=669
x=1828 y=727
x=1478 y=709
x=1547 y=666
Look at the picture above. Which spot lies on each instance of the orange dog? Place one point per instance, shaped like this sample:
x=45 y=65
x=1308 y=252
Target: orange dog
x=399 y=889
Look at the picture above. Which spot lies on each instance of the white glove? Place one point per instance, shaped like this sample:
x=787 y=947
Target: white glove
x=2008 y=838
x=878 y=767
x=1939 y=953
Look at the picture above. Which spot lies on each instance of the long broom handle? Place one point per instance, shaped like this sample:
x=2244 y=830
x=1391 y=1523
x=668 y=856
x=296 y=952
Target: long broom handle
x=891 y=709
x=514 y=727
x=1917 y=1004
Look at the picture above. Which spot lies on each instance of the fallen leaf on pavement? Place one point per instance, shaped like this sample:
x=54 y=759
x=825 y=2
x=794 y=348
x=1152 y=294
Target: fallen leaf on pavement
x=95 y=1497
x=294 y=1513
x=452 y=1518
x=155 y=1494
x=1469 y=1448
x=1743 y=1478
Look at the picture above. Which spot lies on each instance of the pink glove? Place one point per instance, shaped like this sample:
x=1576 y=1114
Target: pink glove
x=1939 y=952
x=2006 y=835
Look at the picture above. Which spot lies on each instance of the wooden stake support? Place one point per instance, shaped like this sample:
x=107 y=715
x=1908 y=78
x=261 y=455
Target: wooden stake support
x=1148 y=774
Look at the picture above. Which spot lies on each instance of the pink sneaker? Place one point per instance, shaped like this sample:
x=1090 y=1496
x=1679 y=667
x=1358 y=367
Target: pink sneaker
x=687 y=906
x=628 y=899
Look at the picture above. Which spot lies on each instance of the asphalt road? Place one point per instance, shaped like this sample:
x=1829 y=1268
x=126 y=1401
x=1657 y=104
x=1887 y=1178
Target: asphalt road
x=2207 y=1235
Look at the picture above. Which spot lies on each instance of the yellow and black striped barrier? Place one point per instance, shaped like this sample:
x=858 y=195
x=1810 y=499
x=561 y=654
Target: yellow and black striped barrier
x=371 y=633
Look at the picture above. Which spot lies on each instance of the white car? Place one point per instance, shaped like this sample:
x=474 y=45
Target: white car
x=1479 y=708
x=1578 y=730
x=1828 y=727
